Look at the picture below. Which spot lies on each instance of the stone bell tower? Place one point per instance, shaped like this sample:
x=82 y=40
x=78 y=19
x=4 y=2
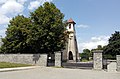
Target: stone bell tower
x=72 y=49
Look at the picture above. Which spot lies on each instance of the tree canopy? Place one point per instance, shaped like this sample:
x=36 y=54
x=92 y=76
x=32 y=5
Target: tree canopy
x=113 y=48
x=86 y=54
x=42 y=32
x=16 y=35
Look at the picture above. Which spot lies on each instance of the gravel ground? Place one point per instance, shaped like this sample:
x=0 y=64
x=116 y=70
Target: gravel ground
x=58 y=73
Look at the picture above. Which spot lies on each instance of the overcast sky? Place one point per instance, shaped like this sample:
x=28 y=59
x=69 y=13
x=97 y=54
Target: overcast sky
x=95 y=20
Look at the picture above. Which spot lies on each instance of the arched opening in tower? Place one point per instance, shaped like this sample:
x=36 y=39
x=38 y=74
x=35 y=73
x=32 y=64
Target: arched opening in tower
x=70 y=55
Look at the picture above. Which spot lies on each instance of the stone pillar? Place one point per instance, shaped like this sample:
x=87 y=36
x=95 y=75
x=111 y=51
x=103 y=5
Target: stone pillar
x=58 y=59
x=42 y=60
x=118 y=62
x=97 y=60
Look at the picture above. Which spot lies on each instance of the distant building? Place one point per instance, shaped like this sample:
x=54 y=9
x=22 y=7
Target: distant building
x=71 y=53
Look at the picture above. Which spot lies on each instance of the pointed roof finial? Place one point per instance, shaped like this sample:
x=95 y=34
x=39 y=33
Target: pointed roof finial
x=71 y=21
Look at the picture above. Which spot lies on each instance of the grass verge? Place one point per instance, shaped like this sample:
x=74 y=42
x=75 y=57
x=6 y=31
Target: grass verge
x=85 y=60
x=12 y=65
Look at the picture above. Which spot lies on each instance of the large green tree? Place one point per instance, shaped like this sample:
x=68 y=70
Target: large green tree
x=99 y=47
x=86 y=54
x=16 y=36
x=49 y=28
x=113 y=48
x=43 y=32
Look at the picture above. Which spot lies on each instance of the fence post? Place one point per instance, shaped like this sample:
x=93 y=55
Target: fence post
x=97 y=60
x=118 y=62
x=58 y=59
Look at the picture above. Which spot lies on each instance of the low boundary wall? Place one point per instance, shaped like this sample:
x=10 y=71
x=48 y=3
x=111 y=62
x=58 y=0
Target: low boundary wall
x=32 y=59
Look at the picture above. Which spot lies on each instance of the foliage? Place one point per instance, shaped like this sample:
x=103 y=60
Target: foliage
x=42 y=32
x=49 y=28
x=17 y=35
x=99 y=47
x=113 y=48
x=86 y=54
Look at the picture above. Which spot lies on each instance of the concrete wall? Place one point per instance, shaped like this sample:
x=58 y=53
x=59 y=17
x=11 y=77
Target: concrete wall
x=33 y=59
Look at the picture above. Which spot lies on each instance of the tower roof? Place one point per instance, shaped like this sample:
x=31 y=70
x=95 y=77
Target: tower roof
x=71 y=21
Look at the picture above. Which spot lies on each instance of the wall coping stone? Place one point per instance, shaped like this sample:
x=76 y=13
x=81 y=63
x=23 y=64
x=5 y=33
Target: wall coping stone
x=97 y=51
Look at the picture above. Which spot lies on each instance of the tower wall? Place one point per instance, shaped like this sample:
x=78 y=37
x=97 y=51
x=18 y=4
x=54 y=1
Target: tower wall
x=72 y=49
x=72 y=46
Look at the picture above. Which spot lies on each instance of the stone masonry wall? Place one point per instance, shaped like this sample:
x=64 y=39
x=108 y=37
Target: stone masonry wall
x=118 y=62
x=32 y=59
x=58 y=59
x=97 y=60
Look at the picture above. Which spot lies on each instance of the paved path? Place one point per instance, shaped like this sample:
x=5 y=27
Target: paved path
x=17 y=68
x=80 y=65
x=58 y=73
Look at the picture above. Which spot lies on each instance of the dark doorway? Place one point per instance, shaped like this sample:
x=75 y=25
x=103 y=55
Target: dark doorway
x=70 y=55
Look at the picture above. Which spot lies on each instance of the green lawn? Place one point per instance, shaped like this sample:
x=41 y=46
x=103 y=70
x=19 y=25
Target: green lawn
x=11 y=65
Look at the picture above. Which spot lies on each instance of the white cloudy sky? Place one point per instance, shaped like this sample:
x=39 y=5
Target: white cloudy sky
x=93 y=42
x=11 y=8
x=95 y=20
